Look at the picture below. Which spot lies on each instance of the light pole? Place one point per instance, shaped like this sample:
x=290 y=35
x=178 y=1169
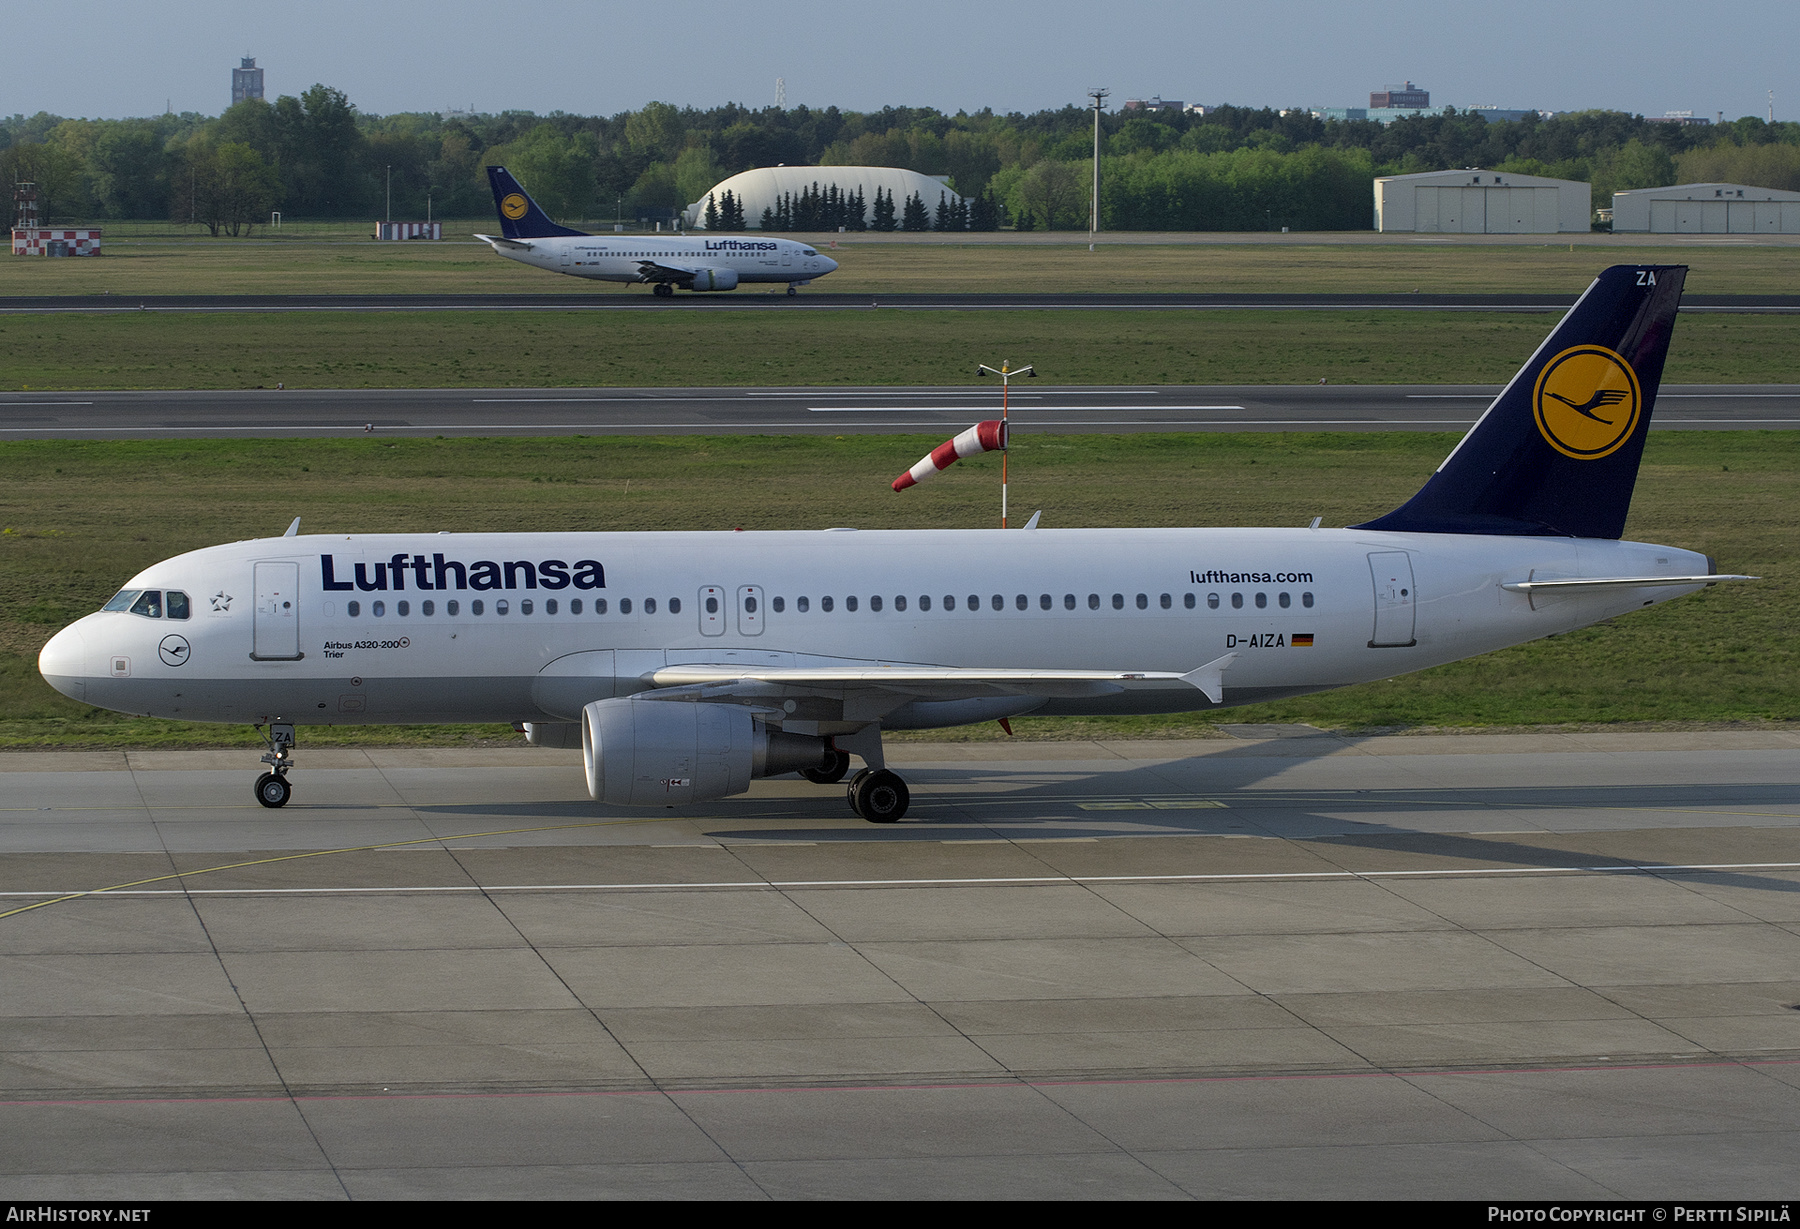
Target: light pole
x=390 y=194
x=1007 y=373
x=1098 y=95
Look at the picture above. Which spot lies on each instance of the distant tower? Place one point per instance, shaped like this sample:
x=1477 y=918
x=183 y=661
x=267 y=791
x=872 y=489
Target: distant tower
x=246 y=81
x=781 y=92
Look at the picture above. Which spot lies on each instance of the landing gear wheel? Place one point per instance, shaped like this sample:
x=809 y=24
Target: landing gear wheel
x=273 y=790
x=829 y=774
x=879 y=796
x=664 y=290
x=793 y=291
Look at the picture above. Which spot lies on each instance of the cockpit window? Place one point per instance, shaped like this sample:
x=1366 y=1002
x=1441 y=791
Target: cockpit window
x=175 y=605
x=149 y=604
x=122 y=600
x=810 y=252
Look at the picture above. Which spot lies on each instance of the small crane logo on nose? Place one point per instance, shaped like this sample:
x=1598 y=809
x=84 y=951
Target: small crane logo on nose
x=173 y=650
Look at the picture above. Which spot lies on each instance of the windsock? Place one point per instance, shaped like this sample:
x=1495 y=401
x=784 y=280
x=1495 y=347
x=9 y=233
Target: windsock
x=980 y=438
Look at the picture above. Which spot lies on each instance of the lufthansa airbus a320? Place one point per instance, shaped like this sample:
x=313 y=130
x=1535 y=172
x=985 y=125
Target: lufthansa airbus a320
x=684 y=665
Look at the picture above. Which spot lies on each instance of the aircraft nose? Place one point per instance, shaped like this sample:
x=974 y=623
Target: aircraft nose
x=63 y=662
x=830 y=264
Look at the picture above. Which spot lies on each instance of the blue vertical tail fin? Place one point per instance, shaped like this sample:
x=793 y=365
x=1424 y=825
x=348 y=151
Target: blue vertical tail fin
x=520 y=217
x=1557 y=452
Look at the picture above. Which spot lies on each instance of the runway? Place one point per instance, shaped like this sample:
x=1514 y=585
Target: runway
x=1279 y=965
x=639 y=299
x=325 y=413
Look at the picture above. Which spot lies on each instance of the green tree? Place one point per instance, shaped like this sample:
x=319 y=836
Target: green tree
x=696 y=173
x=324 y=156
x=913 y=214
x=1055 y=192
x=656 y=132
x=230 y=187
x=883 y=212
x=56 y=172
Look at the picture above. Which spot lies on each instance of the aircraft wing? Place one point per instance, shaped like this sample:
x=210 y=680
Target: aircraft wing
x=932 y=682
x=496 y=242
x=651 y=271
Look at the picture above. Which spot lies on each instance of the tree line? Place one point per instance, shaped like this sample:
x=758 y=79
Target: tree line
x=1234 y=168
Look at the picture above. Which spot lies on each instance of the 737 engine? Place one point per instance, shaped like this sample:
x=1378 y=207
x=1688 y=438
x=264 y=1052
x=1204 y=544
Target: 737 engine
x=714 y=279
x=646 y=752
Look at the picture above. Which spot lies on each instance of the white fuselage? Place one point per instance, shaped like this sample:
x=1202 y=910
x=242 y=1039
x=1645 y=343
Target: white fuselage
x=622 y=258
x=530 y=627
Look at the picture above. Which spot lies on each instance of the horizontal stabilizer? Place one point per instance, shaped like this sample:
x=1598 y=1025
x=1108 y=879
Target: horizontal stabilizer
x=496 y=242
x=1614 y=582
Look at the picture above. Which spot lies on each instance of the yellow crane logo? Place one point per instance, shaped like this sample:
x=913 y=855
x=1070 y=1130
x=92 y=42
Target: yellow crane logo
x=1587 y=402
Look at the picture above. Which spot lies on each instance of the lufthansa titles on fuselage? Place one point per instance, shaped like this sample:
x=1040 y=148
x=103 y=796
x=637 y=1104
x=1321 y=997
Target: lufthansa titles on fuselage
x=439 y=573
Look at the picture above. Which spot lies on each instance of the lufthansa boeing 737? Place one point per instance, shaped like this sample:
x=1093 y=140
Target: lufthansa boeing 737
x=716 y=262
x=686 y=664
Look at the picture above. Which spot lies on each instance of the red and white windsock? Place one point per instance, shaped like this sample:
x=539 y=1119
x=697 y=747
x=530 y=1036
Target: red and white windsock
x=980 y=438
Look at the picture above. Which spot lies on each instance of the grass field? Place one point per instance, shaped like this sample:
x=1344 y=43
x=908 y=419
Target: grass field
x=883 y=347
x=894 y=264
x=77 y=519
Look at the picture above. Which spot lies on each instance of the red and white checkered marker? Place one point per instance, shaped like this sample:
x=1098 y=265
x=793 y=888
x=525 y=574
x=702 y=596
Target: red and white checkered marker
x=982 y=437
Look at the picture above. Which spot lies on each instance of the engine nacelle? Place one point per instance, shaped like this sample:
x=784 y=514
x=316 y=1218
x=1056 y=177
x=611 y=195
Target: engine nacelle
x=714 y=279
x=647 y=752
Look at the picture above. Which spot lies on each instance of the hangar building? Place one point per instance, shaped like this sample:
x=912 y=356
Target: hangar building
x=1707 y=209
x=1477 y=202
x=763 y=187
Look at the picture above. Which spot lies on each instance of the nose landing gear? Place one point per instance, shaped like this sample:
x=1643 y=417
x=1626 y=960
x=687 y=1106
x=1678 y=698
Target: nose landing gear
x=272 y=788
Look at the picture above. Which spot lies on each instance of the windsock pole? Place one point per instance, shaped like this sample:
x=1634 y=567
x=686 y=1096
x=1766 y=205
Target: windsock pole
x=1006 y=372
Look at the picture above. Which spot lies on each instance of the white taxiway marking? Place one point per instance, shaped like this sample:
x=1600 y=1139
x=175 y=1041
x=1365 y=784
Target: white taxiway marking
x=982 y=409
x=786 y=884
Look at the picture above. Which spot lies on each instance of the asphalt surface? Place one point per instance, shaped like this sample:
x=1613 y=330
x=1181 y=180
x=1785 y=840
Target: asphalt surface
x=818 y=411
x=1533 y=966
x=821 y=300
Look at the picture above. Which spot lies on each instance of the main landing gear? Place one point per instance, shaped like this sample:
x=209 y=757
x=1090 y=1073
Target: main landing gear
x=272 y=788
x=664 y=290
x=878 y=795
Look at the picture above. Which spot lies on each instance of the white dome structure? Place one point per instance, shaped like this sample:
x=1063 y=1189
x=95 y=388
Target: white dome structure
x=764 y=187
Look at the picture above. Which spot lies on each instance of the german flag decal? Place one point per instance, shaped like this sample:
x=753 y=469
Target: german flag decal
x=1302 y=640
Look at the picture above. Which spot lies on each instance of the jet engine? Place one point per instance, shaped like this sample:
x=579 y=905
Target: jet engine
x=714 y=279
x=645 y=752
